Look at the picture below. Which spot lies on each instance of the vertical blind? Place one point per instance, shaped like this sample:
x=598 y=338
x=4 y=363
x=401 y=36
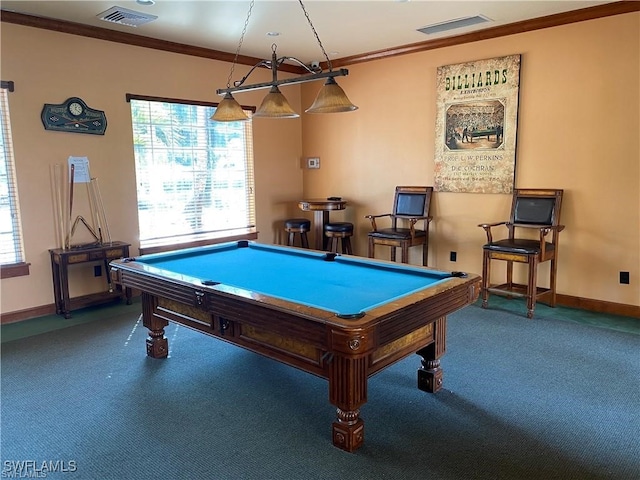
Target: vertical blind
x=11 y=246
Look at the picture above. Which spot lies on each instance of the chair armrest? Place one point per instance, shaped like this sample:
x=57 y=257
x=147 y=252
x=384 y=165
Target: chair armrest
x=487 y=228
x=372 y=218
x=489 y=225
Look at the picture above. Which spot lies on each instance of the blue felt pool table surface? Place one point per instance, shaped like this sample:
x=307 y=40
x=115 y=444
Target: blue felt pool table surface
x=345 y=285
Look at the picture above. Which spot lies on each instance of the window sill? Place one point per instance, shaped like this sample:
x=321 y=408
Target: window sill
x=197 y=243
x=14 y=270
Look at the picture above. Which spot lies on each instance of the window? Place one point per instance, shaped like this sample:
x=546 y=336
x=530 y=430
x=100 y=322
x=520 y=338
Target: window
x=11 y=247
x=194 y=176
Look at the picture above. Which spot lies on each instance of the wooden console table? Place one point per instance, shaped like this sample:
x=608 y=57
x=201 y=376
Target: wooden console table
x=60 y=261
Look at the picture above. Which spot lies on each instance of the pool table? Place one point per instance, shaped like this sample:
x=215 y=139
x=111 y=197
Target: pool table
x=343 y=318
x=482 y=133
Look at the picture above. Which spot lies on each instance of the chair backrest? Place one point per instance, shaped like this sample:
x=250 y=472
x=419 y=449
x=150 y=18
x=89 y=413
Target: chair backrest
x=412 y=201
x=536 y=206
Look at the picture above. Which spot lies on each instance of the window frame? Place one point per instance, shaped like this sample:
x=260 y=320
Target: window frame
x=248 y=233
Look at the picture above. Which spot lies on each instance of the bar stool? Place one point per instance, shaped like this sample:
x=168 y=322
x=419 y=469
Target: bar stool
x=300 y=226
x=338 y=231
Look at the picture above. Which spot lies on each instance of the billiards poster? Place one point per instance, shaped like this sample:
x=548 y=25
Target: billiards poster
x=476 y=126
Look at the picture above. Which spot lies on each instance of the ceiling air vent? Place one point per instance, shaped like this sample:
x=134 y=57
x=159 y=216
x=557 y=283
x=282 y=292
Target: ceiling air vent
x=452 y=24
x=124 y=16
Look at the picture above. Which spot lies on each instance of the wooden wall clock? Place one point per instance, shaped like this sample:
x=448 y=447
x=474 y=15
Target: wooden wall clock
x=75 y=116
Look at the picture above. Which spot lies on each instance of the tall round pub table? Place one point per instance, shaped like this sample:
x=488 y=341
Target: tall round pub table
x=321 y=208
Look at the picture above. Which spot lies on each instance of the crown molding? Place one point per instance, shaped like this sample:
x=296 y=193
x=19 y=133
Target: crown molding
x=590 y=13
x=73 y=28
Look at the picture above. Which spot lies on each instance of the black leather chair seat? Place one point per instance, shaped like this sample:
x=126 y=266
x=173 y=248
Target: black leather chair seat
x=398 y=233
x=298 y=223
x=297 y=226
x=335 y=231
x=518 y=245
x=339 y=227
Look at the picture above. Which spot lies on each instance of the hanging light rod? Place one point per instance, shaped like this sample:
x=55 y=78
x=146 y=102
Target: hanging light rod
x=240 y=87
x=331 y=98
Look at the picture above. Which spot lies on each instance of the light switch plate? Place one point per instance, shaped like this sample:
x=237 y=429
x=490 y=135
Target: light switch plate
x=313 y=162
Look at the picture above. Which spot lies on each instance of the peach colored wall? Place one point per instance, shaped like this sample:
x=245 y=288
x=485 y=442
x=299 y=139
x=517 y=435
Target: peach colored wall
x=578 y=130
x=49 y=67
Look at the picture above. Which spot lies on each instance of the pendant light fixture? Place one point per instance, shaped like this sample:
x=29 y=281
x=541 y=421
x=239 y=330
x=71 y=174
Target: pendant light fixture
x=331 y=97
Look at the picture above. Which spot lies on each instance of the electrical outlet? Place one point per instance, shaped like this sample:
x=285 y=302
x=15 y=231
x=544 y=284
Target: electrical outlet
x=453 y=256
x=97 y=271
x=624 y=278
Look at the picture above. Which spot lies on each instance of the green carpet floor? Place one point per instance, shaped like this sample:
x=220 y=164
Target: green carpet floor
x=550 y=398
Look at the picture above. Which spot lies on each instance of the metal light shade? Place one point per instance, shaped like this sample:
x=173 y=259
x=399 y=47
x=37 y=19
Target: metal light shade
x=229 y=110
x=275 y=105
x=331 y=99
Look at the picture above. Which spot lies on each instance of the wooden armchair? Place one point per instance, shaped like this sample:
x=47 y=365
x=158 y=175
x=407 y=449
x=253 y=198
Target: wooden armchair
x=410 y=206
x=536 y=211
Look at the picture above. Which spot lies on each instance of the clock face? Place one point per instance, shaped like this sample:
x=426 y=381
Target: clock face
x=75 y=108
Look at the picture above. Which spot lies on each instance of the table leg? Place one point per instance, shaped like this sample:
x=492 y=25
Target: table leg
x=348 y=392
x=55 y=272
x=64 y=287
x=157 y=344
x=320 y=217
x=430 y=375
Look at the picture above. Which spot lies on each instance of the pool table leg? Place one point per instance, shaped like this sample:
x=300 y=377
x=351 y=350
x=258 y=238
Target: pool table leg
x=348 y=392
x=157 y=345
x=430 y=376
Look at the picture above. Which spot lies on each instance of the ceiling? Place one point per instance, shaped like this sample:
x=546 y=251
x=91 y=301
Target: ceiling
x=345 y=28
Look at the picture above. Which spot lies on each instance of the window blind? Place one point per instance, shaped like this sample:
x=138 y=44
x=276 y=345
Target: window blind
x=195 y=177
x=11 y=245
